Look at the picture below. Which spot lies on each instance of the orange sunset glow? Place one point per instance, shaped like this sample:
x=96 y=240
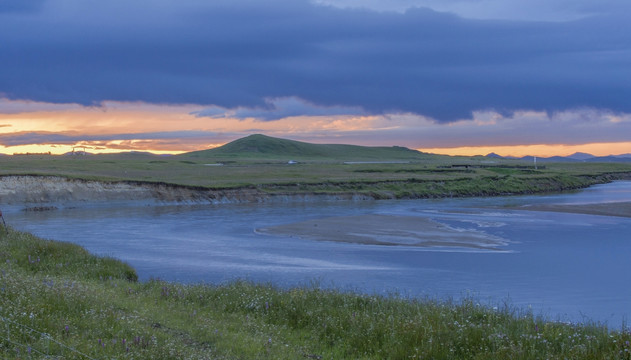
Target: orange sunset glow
x=542 y=150
x=35 y=127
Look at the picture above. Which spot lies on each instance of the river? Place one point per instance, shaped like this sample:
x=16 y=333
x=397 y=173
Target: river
x=567 y=267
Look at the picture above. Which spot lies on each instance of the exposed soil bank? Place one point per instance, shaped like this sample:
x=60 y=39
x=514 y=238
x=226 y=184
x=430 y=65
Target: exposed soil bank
x=36 y=191
x=44 y=191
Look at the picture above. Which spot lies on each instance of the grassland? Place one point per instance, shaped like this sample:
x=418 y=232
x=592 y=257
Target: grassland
x=263 y=164
x=58 y=301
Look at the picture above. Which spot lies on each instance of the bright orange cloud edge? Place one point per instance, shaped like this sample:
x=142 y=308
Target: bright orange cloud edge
x=541 y=150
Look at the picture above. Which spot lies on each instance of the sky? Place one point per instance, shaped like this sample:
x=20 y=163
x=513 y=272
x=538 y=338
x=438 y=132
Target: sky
x=514 y=77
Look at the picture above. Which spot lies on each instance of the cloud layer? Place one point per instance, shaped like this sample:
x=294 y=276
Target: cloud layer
x=531 y=10
x=278 y=109
x=137 y=126
x=237 y=55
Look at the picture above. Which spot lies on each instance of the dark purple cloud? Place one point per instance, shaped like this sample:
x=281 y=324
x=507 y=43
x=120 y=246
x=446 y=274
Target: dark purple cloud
x=278 y=109
x=7 y=6
x=238 y=54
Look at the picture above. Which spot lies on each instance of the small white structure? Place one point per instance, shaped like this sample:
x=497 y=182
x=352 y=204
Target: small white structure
x=79 y=152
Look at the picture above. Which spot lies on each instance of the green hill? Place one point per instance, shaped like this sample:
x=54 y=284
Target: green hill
x=261 y=146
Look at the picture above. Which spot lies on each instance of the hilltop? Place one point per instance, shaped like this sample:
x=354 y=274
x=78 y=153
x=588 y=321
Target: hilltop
x=262 y=146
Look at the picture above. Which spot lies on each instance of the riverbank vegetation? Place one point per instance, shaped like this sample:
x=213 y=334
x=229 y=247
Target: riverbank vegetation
x=277 y=166
x=58 y=301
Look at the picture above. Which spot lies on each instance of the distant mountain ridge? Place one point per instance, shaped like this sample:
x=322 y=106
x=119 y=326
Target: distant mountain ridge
x=580 y=156
x=576 y=157
x=261 y=146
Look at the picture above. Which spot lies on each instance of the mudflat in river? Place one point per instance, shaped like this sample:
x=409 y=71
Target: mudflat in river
x=393 y=230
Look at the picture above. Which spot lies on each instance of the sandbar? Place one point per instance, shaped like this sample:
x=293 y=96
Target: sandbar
x=391 y=230
x=622 y=209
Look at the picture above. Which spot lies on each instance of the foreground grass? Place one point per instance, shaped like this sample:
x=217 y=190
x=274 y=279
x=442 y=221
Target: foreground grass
x=57 y=300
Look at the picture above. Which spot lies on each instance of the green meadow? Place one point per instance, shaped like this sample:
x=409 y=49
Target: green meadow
x=58 y=301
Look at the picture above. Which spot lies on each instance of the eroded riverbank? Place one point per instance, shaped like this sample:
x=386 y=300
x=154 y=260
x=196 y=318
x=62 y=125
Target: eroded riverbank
x=46 y=192
x=37 y=191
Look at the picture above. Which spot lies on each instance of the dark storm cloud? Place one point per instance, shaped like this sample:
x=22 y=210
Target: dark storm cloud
x=20 y=5
x=238 y=54
x=278 y=109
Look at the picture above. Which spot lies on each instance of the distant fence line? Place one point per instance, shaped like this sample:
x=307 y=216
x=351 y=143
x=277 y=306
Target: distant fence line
x=13 y=326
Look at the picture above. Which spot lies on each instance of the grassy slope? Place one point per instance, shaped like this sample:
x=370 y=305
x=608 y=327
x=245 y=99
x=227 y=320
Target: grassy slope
x=261 y=146
x=261 y=162
x=58 y=301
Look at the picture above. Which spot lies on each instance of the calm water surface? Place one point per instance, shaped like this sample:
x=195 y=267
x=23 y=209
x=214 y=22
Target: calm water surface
x=568 y=267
